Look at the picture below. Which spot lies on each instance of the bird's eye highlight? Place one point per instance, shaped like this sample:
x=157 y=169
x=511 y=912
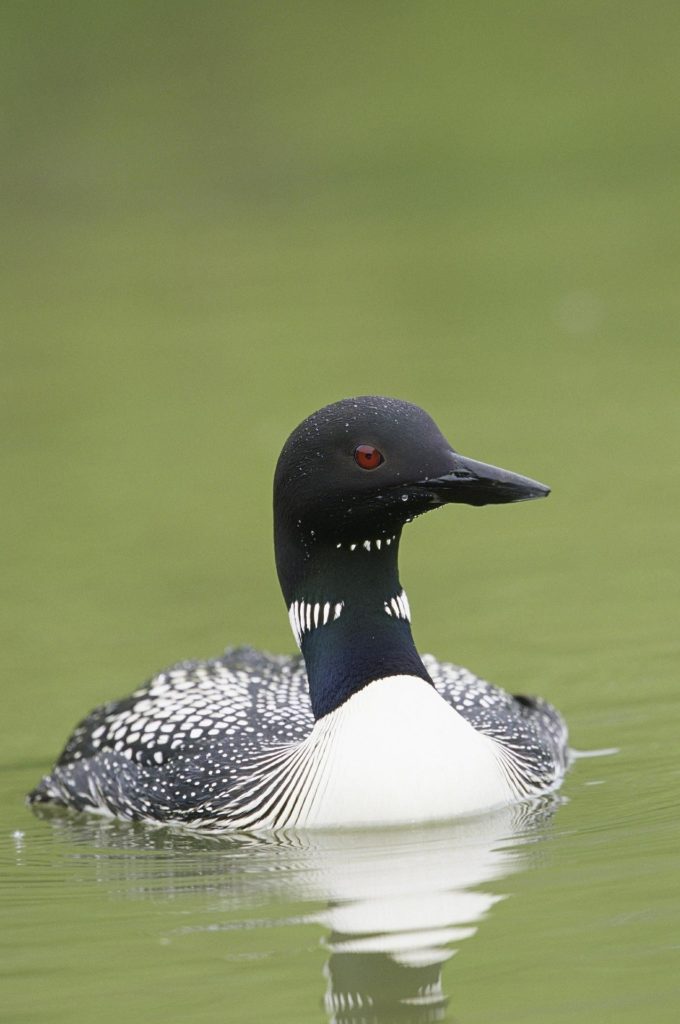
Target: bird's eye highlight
x=367 y=456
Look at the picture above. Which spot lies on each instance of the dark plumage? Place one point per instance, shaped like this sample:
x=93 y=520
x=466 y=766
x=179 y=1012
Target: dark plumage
x=119 y=760
x=250 y=739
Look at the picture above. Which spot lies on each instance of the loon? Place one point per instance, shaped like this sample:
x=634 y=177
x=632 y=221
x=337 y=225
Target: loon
x=359 y=729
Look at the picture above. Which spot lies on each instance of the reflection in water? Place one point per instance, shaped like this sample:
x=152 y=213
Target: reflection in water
x=397 y=902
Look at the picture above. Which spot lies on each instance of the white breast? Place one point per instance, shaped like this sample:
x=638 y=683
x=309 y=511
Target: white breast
x=396 y=752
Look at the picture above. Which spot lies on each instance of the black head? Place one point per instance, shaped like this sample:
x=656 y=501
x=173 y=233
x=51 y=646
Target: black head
x=363 y=467
x=348 y=479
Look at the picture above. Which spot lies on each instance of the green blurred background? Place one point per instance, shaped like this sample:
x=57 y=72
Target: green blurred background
x=218 y=217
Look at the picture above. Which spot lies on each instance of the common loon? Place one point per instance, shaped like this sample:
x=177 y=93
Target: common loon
x=359 y=729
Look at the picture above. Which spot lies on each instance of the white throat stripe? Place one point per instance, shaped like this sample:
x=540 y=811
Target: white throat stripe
x=398 y=607
x=305 y=616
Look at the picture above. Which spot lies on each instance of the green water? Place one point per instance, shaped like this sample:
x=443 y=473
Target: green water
x=216 y=218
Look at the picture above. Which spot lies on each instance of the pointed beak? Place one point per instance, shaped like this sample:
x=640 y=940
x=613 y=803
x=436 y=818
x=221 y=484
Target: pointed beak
x=474 y=483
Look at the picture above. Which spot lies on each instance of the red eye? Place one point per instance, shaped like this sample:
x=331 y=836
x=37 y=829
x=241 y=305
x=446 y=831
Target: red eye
x=368 y=457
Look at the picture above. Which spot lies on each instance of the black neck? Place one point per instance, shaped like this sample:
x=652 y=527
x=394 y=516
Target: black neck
x=361 y=641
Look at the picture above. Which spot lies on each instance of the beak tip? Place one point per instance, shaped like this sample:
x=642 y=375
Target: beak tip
x=532 y=491
x=476 y=483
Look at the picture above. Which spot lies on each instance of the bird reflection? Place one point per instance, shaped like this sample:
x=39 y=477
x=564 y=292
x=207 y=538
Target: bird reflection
x=396 y=902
